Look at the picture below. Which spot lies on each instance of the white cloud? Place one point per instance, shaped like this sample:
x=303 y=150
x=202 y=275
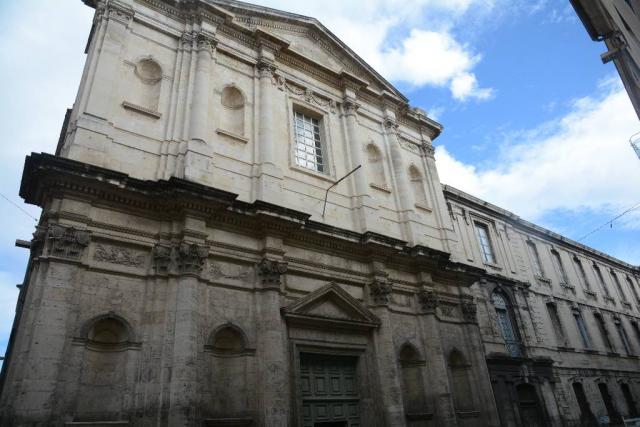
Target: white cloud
x=428 y=54
x=580 y=161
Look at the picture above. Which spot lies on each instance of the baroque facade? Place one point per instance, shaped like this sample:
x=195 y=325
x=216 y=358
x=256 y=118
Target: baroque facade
x=201 y=261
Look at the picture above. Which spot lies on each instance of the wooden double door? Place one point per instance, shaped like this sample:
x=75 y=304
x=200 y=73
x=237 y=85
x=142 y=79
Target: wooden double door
x=329 y=388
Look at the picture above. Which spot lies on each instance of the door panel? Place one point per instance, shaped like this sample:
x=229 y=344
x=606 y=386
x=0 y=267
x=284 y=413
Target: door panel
x=329 y=391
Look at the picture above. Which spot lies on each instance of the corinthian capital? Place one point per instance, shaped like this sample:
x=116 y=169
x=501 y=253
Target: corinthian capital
x=266 y=68
x=391 y=125
x=205 y=42
x=350 y=106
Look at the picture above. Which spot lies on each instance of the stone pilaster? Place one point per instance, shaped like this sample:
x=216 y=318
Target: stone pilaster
x=40 y=359
x=404 y=197
x=361 y=197
x=269 y=174
x=385 y=352
x=428 y=301
x=199 y=153
x=112 y=22
x=182 y=262
x=273 y=373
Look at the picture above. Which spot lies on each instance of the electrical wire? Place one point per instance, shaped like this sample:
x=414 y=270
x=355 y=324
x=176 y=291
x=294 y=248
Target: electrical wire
x=610 y=222
x=17 y=206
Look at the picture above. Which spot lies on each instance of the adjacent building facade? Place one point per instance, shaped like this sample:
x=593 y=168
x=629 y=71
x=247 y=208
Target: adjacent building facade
x=200 y=261
x=617 y=24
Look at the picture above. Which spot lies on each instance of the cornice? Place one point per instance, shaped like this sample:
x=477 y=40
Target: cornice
x=465 y=199
x=46 y=176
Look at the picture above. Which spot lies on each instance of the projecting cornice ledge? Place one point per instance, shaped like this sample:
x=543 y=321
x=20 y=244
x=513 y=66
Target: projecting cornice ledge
x=46 y=176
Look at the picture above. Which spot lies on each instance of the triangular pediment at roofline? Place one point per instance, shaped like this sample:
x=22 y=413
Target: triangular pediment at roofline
x=331 y=307
x=308 y=38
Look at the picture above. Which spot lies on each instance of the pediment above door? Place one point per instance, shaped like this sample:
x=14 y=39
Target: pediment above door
x=330 y=307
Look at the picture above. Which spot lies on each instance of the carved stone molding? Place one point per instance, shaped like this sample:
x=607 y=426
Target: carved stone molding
x=180 y=258
x=380 y=291
x=428 y=300
x=428 y=149
x=469 y=309
x=266 y=69
x=351 y=107
x=67 y=242
x=118 y=255
x=191 y=257
x=206 y=43
x=116 y=11
x=304 y=93
x=271 y=272
x=390 y=125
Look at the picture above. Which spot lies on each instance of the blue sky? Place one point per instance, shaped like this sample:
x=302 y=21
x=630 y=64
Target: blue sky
x=534 y=122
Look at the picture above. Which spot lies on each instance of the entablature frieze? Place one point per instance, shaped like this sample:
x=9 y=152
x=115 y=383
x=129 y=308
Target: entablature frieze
x=46 y=175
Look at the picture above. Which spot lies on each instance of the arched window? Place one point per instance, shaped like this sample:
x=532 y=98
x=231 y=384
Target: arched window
x=417 y=186
x=376 y=166
x=506 y=323
x=232 y=112
x=413 y=391
x=146 y=89
x=460 y=383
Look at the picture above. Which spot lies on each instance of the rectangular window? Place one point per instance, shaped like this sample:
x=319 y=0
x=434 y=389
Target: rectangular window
x=482 y=231
x=556 y=324
x=623 y=337
x=603 y=285
x=557 y=261
x=603 y=331
x=621 y=293
x=582 y=328
x=636 y=330
x=634 y=291
x=308 y=143
x=535 y=259
x=582 y=273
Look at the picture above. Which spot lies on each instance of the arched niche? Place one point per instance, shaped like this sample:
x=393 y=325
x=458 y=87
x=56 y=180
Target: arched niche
x=104 y=378
x=413 y=387
x=146 y=82
x=232 y=113
x=460 y=371
x=231 y=372
x=376 y=166
x=417 y=186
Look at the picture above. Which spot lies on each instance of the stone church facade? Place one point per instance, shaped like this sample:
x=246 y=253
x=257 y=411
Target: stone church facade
x=200 y=261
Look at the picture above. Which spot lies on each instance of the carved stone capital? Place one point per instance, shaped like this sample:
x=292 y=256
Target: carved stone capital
x=67 y=242
x=191 y=257
x=350 y=106
x=162 y=258
x=179 y=258
x=266 y=69
x=428 y=300
x=116 y=11
x=469 y=309
x=271 y=272
x=391 y=125
x=380 y=291
x=427 y=148
x=206 y=43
